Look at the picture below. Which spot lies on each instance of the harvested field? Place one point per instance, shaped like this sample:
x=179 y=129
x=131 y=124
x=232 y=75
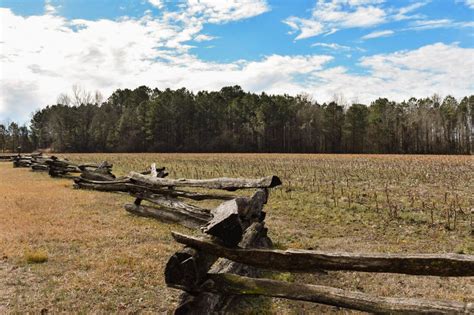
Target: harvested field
x=67 y=250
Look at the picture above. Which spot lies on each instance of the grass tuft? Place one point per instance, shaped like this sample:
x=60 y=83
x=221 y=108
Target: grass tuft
x=36 y=256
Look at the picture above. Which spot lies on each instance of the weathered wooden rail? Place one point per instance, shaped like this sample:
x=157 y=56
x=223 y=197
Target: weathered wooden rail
x=25 y=160
x=22 y=160
x=7 y=157
x=449 y=265
x=64 y=168
x=57 y=167
x=200 y=279
x=245 y=286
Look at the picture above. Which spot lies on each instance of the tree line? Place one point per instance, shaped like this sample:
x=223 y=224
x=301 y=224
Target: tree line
x=231 y=120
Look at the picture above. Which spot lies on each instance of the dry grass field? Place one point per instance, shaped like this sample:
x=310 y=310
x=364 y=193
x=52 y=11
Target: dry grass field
x=67 y=250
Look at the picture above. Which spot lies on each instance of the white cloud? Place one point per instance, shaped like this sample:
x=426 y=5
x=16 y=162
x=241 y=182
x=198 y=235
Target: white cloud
x=421 y=25
x=401 y=13
x=330 y=16
x=412 y=7
x=307 y=28
x=43 y=56
x=430 y=24
x=361 y=17
x=333 y=46
x=49 y=8
x=469 y=3
x=223 y=11
x=203 y=38
x=156 y=3
x=437 y=68
x=377 y=34
x=338 y=48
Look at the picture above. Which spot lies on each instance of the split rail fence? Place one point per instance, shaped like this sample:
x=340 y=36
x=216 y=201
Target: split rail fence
x=225 y=267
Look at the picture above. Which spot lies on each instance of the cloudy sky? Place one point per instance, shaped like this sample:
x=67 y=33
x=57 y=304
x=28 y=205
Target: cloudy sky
x=356 y=50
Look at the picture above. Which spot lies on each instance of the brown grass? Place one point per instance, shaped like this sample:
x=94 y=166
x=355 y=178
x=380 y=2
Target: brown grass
x=100 y=259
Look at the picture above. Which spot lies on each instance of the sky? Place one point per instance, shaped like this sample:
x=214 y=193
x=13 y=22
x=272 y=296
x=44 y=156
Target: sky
x=346 y=50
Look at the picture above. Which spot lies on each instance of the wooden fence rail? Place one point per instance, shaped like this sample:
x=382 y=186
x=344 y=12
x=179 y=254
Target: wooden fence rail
x=239 y=285
x=213 y=183
x=57 y=167
x=449 y=265
x=7 y=157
